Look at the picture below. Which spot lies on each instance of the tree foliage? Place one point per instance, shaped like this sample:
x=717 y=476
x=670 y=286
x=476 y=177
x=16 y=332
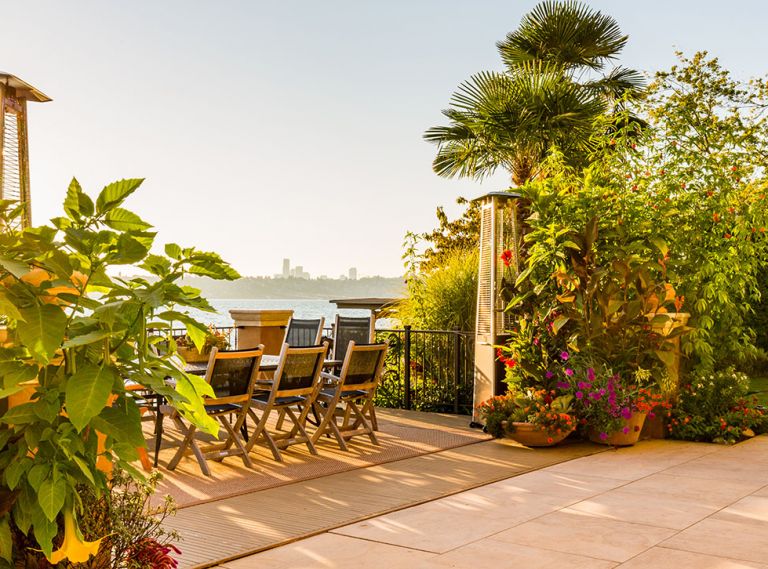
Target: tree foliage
x=549 y=96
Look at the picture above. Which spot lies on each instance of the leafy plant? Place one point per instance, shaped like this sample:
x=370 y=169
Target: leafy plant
x=541 y=407
x=604 y=401
x=76 y=334
x=713 y=407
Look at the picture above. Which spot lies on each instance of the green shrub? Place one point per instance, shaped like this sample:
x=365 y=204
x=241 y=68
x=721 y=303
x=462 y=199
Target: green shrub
x=713 y=407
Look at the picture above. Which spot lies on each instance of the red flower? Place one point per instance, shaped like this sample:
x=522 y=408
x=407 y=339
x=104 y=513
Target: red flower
x=506 y=256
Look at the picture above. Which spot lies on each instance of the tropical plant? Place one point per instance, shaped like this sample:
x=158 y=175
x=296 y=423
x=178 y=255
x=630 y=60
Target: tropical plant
x=548 y=96
x=76 y=334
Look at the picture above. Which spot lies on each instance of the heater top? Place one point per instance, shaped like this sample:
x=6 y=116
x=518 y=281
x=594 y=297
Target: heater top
x=498 y=194
x=23 y=89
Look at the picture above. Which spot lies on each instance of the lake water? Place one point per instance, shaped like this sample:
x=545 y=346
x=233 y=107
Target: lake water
x=301 y=309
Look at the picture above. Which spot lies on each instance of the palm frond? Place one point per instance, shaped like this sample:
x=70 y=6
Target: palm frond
x=620 y=82
x=569 y=34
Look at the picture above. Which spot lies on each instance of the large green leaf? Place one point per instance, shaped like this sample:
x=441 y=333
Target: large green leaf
x=6 y=540
x=77 y=203
x=45 y=530
x=124 y=220
x=89 y=338
x=42 y=330
x=122 y=422
x=51 y=496
x=87 y=393
x=115 y=193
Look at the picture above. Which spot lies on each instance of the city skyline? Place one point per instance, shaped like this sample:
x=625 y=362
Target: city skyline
x=298 y=272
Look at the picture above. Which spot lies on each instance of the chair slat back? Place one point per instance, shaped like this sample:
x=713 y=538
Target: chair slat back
x=350 y=329
x=304 y=332
x=232 y=374
x=362 y=366
x=299 y=370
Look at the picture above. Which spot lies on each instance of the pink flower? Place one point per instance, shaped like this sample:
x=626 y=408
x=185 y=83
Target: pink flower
x=563 y=385
x=579 y=395
x=549 y=375
x=625 y=430
x=564 y=356
x=626 y=412
x=568 y=372
x=591 y=374
x=603 y=436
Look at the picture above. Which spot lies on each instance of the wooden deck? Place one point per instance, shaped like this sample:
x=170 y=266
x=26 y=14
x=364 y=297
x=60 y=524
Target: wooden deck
x=230 y=528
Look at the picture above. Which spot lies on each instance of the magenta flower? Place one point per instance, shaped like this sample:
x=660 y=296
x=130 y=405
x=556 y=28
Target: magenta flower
x=563 y=385
x=536 y=341
x=595 y=395
x=626 y=412
x=585 y=385
x=625 y=430
x=651 y=415
x=564 y=356
x=579 y=395
x=591 y=374
x=549 y=375
x=603 y=436
x=568 y=372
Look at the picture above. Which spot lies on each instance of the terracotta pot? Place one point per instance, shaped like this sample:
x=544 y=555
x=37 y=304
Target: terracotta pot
x=531 y=435
x=620 y=439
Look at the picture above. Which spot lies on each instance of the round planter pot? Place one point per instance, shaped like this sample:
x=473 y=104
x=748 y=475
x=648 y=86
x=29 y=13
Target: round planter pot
x=531 y=435
x=620 y=439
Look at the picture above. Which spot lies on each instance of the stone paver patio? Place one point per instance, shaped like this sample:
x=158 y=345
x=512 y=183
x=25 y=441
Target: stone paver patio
x=660 y=504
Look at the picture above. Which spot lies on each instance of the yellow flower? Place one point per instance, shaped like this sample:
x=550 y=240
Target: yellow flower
x=72 y=548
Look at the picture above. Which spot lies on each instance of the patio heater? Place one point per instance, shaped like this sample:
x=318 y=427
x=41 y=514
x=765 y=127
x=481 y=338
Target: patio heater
x=14 y=146
x=500 y=230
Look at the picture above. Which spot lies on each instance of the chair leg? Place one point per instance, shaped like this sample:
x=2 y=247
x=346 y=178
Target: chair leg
x=360 y=417
x=261 y=430
x=299 y=427
x=189 y=442
x=158 y=429
x=374 y=420
x=328 y=426
x=236 y=440
x=280 y=419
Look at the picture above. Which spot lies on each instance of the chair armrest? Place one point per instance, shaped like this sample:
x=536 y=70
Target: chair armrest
x=329 y=376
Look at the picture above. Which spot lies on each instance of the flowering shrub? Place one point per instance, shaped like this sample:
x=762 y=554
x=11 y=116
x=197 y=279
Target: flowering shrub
x=713 y=407
x=540 y=407
x=604 y=402
x=495 y=411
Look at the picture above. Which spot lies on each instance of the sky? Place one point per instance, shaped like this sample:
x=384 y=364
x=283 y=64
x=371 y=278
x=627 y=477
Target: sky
x=292 y=129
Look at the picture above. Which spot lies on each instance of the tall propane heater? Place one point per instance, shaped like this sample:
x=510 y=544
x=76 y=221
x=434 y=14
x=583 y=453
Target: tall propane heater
x=14 y=145
x=500 y=231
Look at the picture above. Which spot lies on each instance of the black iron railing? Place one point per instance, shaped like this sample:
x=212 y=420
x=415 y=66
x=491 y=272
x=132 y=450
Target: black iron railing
x=427 y=370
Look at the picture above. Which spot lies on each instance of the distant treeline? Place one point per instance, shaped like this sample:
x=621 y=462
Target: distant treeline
x=267 y=287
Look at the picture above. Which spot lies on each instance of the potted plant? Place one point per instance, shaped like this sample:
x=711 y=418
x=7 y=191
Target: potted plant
x=613 y=410
x=532 y=417
x=187 y=349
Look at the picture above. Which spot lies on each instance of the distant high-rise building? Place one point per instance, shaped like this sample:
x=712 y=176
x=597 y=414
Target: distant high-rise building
x=286 y=268
x=353 y=273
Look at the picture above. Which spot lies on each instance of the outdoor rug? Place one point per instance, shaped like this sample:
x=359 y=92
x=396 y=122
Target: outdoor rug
x=402 y=435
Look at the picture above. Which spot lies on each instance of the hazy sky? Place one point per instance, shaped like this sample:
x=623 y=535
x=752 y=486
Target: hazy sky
x=290 y=129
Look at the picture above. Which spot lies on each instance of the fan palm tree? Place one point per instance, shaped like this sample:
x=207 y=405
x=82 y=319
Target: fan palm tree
x=551 y=93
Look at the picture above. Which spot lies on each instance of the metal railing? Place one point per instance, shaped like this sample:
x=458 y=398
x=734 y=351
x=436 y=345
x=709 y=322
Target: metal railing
x=427 y=370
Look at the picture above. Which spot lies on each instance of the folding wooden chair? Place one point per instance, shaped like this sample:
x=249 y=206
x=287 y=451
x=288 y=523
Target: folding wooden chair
x=232 y=376
x=351 y=398
x=296 y=384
